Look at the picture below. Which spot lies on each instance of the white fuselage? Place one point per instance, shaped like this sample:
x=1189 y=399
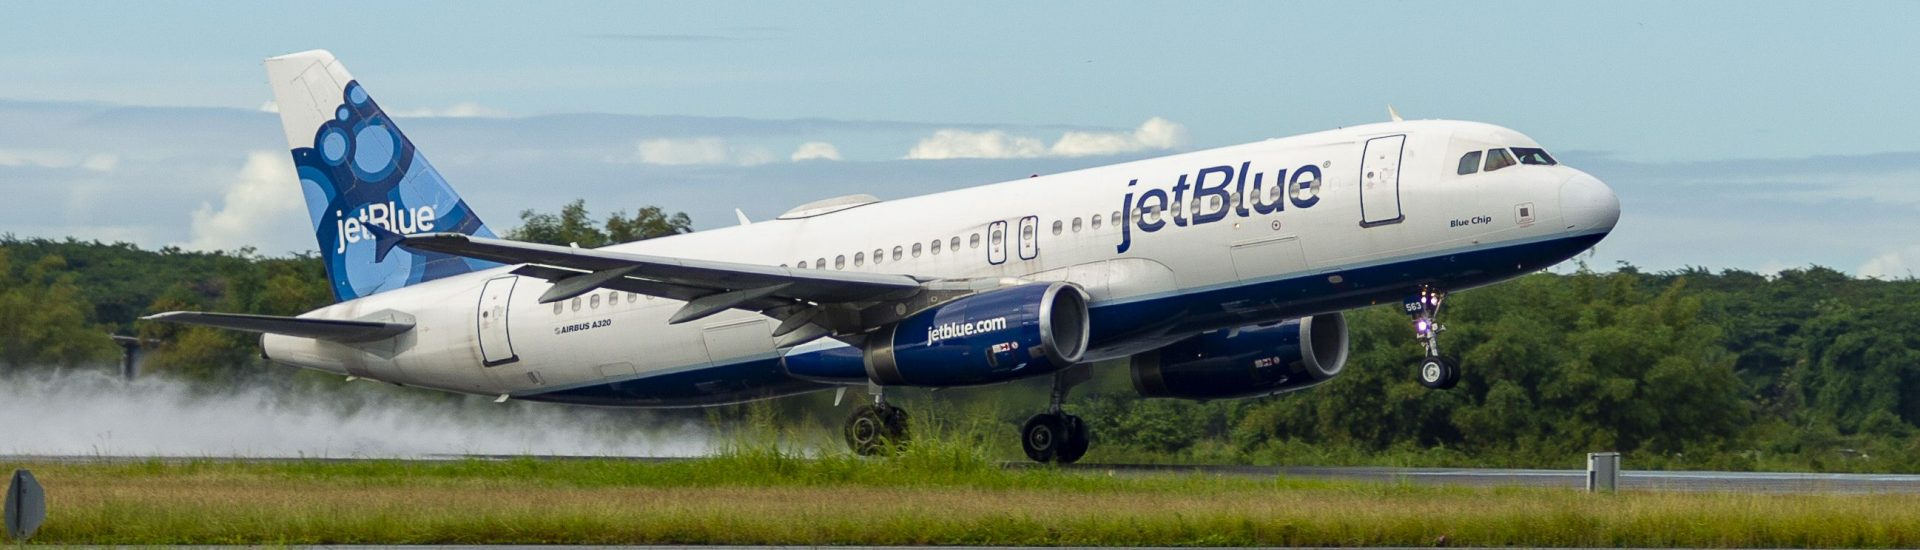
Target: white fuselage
x=1226 y=264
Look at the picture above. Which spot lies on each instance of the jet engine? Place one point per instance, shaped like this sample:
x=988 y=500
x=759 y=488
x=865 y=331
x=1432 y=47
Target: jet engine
x=992 y=336
x=1246 y=362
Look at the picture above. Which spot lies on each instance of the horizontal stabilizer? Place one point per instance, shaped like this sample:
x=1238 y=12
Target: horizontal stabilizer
x=336 y=330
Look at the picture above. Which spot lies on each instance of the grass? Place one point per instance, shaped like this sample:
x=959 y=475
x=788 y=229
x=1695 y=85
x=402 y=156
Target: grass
x=937 y=492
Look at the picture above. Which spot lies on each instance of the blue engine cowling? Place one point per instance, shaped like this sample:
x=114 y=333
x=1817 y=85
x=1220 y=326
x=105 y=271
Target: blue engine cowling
x=1246 y=362
x=992 y=336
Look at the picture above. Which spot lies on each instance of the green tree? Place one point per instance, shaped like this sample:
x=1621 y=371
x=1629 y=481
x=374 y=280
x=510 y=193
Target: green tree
x=573 y=225
x=44 y=317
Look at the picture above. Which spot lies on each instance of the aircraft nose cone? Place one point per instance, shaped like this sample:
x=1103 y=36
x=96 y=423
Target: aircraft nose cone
x=1588 y=204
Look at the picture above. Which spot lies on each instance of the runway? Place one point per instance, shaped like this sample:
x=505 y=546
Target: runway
x=1654 y=480
x=1648 y=480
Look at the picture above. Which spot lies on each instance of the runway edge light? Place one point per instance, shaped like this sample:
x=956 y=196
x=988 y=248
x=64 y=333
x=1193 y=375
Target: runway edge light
x=26 y=506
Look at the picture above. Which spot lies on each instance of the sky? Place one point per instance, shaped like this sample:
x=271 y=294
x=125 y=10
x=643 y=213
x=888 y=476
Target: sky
x=1748 y=135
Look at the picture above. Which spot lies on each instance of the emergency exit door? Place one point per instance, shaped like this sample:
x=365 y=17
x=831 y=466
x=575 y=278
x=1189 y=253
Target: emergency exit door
x=1380 y=181
x=1029 y=237
x=496 y=344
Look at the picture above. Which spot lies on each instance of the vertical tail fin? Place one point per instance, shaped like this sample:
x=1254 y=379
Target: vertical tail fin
x=360 y=173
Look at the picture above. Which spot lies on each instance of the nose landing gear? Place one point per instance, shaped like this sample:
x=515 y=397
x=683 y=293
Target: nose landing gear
x=1435 y=371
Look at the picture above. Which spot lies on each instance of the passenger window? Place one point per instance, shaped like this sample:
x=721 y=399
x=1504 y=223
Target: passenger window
x=955 y=245
x=803 y=264
x=840 y=262
x=974 y=241
x=1534 y=155
x=1076 y=225
x=613 y=297
x=631 y=297
x=594 y=302
x=1058 y=226
x=822 y=262
x=1498 y=158
x=879 y=254
x=1026 y=231
x=1096 y=220
x=1470 y=163
x=936 y=246
x=557 y=307
x=859 y=259
x=898 y=252
x=576 y=303
x=916 y=250
x=1116 y=217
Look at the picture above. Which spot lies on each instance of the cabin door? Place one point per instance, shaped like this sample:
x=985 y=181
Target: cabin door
x=1380 y=181
x=496 y=345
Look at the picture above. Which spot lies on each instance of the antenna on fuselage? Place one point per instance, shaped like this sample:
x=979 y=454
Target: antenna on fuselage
x=1395 y=115
x=742 y=215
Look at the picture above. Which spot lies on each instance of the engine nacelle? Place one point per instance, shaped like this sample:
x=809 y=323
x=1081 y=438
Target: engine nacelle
x=993 y=336
x=1246 y=362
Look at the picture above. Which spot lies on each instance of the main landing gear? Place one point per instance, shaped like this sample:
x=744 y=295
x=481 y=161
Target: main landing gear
x=879 y=428
x=1055 y=436
x=1436 y=371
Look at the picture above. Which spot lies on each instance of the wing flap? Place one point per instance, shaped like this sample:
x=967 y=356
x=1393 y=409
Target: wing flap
x=337 y=330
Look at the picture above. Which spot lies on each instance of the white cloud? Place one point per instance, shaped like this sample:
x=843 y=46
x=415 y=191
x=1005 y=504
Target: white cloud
x=962 y=144
x=1154 y=134
x=269 y=107
x=261 y=209
x=697 y=151
x=50 y=158
x=816 y=150
x=101 y=162
x=464 y=109
x=1893 y=264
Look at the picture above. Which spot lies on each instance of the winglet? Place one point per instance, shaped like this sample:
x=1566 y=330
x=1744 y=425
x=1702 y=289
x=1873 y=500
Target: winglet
x=742 y=216
x=1395 y=115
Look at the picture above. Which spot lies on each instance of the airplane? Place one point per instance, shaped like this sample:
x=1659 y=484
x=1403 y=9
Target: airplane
x=1214 y=274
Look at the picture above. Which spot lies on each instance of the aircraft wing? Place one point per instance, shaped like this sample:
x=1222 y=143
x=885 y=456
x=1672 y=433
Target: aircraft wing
x=321 y=329
x=707 y=286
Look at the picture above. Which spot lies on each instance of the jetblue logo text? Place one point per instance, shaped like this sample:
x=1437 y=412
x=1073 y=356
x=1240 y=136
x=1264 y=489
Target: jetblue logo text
x=1212 y=198
x=937 y=333
x=388 y=215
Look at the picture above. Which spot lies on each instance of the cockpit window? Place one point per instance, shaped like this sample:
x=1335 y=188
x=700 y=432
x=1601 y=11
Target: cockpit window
x=1470 y=163
x=1498 y=158
x=1534 y=155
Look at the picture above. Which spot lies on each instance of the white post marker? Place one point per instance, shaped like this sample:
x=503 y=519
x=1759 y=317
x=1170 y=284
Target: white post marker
x=26 y=506
x=1603 y=472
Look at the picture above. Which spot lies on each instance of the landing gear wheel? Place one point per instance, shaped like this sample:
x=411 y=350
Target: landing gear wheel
x=876 y=429
x=1042 y=437
x=1436 y=371
x=1076 y=442
x=1439 y=373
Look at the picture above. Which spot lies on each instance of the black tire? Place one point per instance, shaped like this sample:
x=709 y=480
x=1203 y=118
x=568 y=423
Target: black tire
x=895 y=419
x=1075 y=445
x=1438 y=373
x=1041 y=437
x=865 y=431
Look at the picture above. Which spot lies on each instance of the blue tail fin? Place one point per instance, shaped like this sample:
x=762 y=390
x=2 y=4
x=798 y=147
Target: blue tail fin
x=360 y=173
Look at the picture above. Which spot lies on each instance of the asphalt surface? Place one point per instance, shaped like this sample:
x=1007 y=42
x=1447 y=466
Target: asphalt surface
x=1771 y=482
